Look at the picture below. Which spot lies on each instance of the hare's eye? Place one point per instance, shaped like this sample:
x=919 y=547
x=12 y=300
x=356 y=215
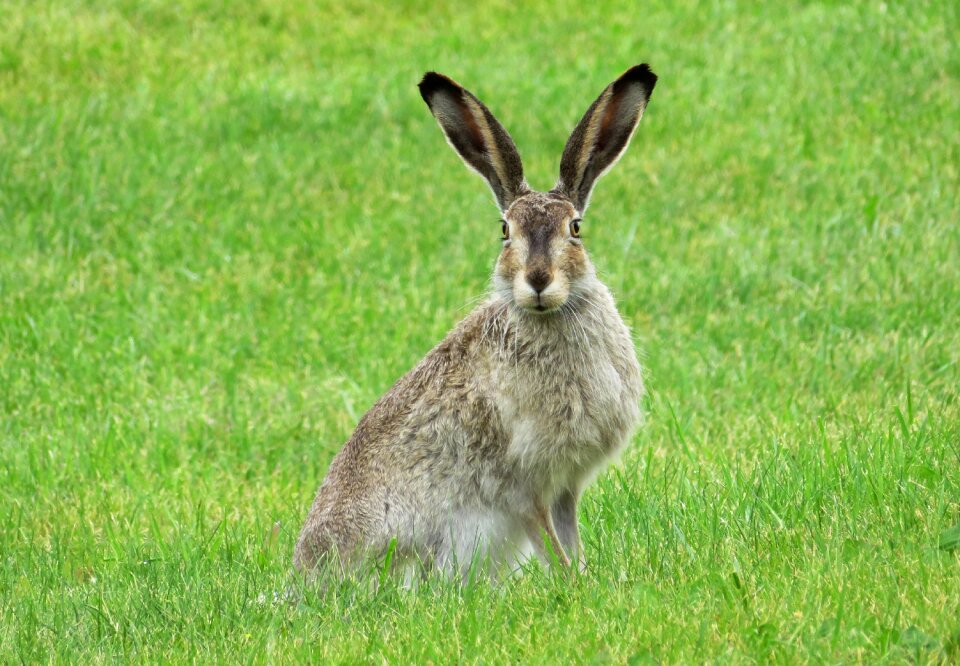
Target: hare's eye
x=575 y=228
x=505 y=229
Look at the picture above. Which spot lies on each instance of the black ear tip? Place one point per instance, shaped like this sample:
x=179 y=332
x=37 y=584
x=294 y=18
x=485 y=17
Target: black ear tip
x=641 y=74
x=434 y=82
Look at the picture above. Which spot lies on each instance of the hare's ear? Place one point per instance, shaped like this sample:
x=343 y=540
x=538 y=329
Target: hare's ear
x=604 y=133
x=476 y=135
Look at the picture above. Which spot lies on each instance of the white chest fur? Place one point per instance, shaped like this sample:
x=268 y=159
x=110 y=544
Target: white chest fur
x=570 y=400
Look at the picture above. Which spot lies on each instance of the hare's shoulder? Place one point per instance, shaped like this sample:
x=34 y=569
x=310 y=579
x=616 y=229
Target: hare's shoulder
x=450 y=379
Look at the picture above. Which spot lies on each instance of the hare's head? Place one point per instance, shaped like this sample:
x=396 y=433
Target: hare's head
x=543 y=261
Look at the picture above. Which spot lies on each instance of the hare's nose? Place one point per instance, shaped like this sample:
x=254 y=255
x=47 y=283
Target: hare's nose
x=538 y=279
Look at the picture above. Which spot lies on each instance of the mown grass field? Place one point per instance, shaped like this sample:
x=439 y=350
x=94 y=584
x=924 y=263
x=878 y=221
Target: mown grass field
x=227 y=227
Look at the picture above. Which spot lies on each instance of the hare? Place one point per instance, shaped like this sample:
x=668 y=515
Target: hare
x=484 y=448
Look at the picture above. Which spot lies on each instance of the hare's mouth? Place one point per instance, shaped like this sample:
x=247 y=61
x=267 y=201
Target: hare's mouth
x=541 y=308
x=543 y=301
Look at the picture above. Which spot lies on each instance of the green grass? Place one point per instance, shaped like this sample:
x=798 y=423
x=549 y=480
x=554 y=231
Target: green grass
x=228 y=227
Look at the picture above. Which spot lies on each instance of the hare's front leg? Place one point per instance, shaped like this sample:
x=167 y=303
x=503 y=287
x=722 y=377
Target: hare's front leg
x=538 y=522
x=564 y=510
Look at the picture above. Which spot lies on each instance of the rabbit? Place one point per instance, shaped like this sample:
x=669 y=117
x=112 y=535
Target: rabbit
x=484 y=448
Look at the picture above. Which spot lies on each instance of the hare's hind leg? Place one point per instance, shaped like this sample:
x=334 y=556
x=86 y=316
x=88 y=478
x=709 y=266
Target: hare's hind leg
x=317 y=553
x=538 y=522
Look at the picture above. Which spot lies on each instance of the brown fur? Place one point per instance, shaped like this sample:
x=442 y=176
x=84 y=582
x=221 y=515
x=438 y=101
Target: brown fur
x=485 y=446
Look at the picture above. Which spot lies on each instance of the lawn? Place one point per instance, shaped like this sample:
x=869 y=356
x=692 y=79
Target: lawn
x=226 y=228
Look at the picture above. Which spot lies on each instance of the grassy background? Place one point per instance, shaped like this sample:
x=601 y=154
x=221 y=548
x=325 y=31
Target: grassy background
x=228 y=227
